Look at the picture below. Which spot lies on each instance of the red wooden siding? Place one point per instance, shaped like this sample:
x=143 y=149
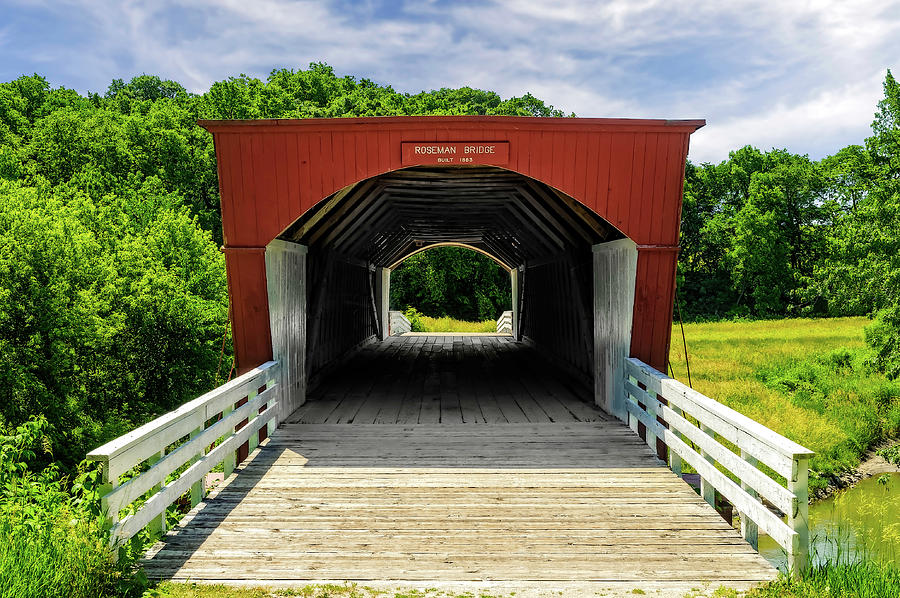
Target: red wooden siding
x=629 y=172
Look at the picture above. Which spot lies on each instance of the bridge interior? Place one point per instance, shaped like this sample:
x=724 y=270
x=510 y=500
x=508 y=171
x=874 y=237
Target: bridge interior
x=430 y=379
x=543 y=237
x=461 y=462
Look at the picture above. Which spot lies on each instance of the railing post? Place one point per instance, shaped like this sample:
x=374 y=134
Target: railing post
x=749 y=529
x=272 y=424
x=198 y=488
x=674 y=458
x=632 y=420
x=230 y=460
x=157 y=525
x=651 y=437
x=107 y=485
x=707 y=491
x=798 y=520
x=254 y=438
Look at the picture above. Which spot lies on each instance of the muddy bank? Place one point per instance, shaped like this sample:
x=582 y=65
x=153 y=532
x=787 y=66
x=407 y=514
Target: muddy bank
x=871 y=465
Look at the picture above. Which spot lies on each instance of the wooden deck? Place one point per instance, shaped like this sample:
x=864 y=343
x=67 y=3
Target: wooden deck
x=447 y=379
x=531 y=507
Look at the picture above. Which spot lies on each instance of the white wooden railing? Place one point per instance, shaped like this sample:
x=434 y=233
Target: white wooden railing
x=399 y=323
x=200 y=434
x=660 y=407
x=505 y=323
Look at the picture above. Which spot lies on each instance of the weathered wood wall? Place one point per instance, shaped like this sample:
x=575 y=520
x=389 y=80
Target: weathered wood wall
x=557 y=313
x=286 y=282
x=341 y=311
x=614 y=271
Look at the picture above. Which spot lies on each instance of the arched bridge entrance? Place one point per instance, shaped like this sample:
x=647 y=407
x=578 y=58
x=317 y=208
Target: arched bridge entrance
x=542 y=458
x=583 y=212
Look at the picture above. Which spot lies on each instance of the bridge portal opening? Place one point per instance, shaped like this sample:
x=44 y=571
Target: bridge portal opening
x=448 y=283
x=561 y=260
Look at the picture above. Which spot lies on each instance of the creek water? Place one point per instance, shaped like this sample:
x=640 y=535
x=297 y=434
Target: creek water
x=862 y=520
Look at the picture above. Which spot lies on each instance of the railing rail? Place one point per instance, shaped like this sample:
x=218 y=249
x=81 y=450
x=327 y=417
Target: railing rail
x=399 y=323
x=504 y=322
x=661 y=406
x=215 y=424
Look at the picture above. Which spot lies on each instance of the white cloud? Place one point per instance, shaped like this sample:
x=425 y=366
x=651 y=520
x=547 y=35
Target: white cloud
x=800 y=75
x=819 y=126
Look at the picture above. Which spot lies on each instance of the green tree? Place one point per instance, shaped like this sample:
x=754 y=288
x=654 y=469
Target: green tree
x=451 y=281
x=860 y=269
x=752 y=230
x=110 y=312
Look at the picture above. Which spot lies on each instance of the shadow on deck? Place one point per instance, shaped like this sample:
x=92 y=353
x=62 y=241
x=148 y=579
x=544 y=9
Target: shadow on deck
x=542 y=505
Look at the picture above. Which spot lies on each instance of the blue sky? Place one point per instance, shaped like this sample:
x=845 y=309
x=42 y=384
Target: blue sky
x=804 y=75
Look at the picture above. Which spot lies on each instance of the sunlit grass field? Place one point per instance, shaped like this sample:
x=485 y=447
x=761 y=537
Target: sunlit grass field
x=447 y=324
x=807 y=379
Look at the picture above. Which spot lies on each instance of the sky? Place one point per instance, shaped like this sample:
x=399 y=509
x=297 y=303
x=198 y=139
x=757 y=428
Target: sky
x=800 y=75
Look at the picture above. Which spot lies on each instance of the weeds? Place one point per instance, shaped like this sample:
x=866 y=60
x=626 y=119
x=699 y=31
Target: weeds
x=890 y=454
x=54 y=543
x=447 y=324
x=419 y=322
x=861 y=579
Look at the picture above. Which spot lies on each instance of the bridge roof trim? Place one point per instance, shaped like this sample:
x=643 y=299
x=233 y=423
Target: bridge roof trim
x=511 y=122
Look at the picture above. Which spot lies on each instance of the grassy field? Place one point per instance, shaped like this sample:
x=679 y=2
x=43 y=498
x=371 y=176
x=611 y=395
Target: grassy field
x=447 y=324
x=807 y=379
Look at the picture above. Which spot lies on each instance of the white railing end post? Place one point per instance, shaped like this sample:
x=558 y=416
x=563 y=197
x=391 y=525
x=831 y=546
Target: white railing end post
x=798 y=519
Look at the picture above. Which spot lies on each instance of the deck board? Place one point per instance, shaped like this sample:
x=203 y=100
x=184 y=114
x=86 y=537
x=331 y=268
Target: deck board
x=448 y=379
x=418 y=496
x=549 y=504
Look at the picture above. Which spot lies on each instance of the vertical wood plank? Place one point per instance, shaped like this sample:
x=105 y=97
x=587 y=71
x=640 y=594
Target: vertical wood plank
x=198 y=488
x=157 y=526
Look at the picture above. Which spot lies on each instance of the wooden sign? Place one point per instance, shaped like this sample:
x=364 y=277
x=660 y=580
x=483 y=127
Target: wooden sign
x=453 y=153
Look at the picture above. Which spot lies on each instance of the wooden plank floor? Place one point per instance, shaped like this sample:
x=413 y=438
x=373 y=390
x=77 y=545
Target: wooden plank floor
x=448 y=379
x=582 y=508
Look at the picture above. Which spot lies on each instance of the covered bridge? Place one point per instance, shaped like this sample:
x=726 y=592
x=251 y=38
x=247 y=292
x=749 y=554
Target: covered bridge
x=538 y=456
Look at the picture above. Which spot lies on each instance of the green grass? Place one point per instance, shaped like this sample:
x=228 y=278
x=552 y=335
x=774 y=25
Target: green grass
x=865 y=579
x=184 y=590
x=809 y=380
x=447 y=324
x=59 y=556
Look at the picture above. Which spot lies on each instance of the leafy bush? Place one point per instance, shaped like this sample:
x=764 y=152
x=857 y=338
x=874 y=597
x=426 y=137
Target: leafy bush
x=883 y=335
x=842 y=387
x=111 y=311
x=890 y=454
x=53 y=544
x=415 y=319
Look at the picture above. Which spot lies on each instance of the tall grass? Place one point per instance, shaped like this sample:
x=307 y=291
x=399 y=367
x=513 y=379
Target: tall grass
x=64 y=555
x=809 y=380
x=52 y=543
x=447 y=324
x=860 y=579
